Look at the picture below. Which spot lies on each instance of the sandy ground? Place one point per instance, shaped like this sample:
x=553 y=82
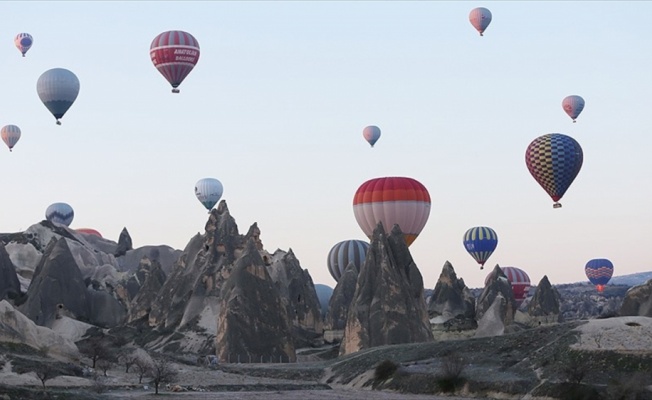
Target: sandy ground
x=624 y=334
x=287 y=395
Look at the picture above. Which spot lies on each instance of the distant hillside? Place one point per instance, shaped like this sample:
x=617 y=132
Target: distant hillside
x=638 y=278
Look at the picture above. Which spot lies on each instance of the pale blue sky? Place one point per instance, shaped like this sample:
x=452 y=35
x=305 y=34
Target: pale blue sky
x=276 y=106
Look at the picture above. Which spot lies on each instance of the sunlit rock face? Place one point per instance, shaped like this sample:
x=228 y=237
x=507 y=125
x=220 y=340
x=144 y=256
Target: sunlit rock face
x=253 y=323
x=638 y=301
x=388 y=306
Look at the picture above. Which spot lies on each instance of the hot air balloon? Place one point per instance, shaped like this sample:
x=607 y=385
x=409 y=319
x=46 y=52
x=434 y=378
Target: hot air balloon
x=599 y=271
x=23 y=42
x=208 y=192
x=519 y=280
x=371 y=134
x=174 y=54
x=10 y=135
x=324 y=294
x=392 y=200
x=573 y=106
x=344 y=253
x=60 y=213
x=57 y=88
x=89 y=231
x=480 y=242
x=554 y=160
x=480 y=19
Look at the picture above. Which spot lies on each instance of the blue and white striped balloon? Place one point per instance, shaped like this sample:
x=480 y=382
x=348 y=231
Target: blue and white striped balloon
x=344 y=253
x=58 y=89
x=60 y=213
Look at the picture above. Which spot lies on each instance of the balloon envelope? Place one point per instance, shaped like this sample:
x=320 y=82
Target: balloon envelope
x=10 y=135
x=371 y=134
x=599 y=271
x=58 y=88
x=392 y=200
x=60 y=213
x=344 y=253
x=480 y=242
x=208 y=192
x=480 y=18
x=23 y=42
x=573 y=106
x=89 y=231
x=519 y=280
x=174 y=54
x=554 y=160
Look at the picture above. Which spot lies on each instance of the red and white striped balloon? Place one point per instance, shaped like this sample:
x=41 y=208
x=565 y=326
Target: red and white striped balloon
x=174 y=54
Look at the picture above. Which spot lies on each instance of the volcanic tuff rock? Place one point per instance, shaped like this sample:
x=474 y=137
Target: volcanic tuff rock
x=147 y=282
x=498 y=284
x=338 y=306
x=164 y=255
x=17 y=328
x=58 y=282
x=638 y=301
x=298 y=292
x=9 y=284
x=253 y=322
x=492 y=322
x=388 y=306
x=124 y=243
x=544 y=306
x=451 y=298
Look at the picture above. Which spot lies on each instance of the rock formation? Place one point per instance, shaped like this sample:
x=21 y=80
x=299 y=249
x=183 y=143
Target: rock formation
x=124 y=243
x=638 y=301
x=166 y=256
x=58 y=283
x=388 y=306
x=253 y=323
x=338 y=306
x=17 y=328
x=497 y=284
x=492 y=322
x=451 y=299
x=151 y=276
x=324 y=294
x=295 y=285
x=9 y=284
x=544 y=306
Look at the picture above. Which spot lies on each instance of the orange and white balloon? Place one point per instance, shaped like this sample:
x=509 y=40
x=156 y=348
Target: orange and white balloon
x=392 y=200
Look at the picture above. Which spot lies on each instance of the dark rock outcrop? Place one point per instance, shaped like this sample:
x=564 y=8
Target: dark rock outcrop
x=124 y=243
x=338 y=306
x=497 y=284
x=388 y=306
x=544 y=306
x=152 y=277
x=9 y=284
x=253 y=323
x=166 y=256
x=451 y=298
x=298 y=291
x=638 y=301
x=58 y=284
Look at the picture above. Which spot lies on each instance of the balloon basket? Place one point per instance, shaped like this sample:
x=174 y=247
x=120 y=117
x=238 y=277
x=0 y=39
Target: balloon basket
x=175 y=90
x=556 y=205
x=58 y=122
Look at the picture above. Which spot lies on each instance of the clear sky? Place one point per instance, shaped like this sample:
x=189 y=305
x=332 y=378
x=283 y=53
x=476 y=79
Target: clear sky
x=275 y=109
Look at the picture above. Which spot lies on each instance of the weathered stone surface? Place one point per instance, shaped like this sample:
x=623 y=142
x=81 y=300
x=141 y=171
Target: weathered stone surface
x=253 y=322
x=124 y=243
x=638 y=301
x=544 y=306
x=338 y=306
x=497 y=284
x=17 y=328
x=298 y=292
x=58 y=283
x=451 y=299
x=151 y=276
x=492 y=321
x=388 y=306
x=166 y=256
x=9 y=284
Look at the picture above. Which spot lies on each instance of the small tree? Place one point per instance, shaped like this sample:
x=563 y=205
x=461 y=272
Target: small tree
x=95 y=349
x=142 y=366
x=104 y=365
x=128 y=358
x=45 y=372
x=161 y=371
